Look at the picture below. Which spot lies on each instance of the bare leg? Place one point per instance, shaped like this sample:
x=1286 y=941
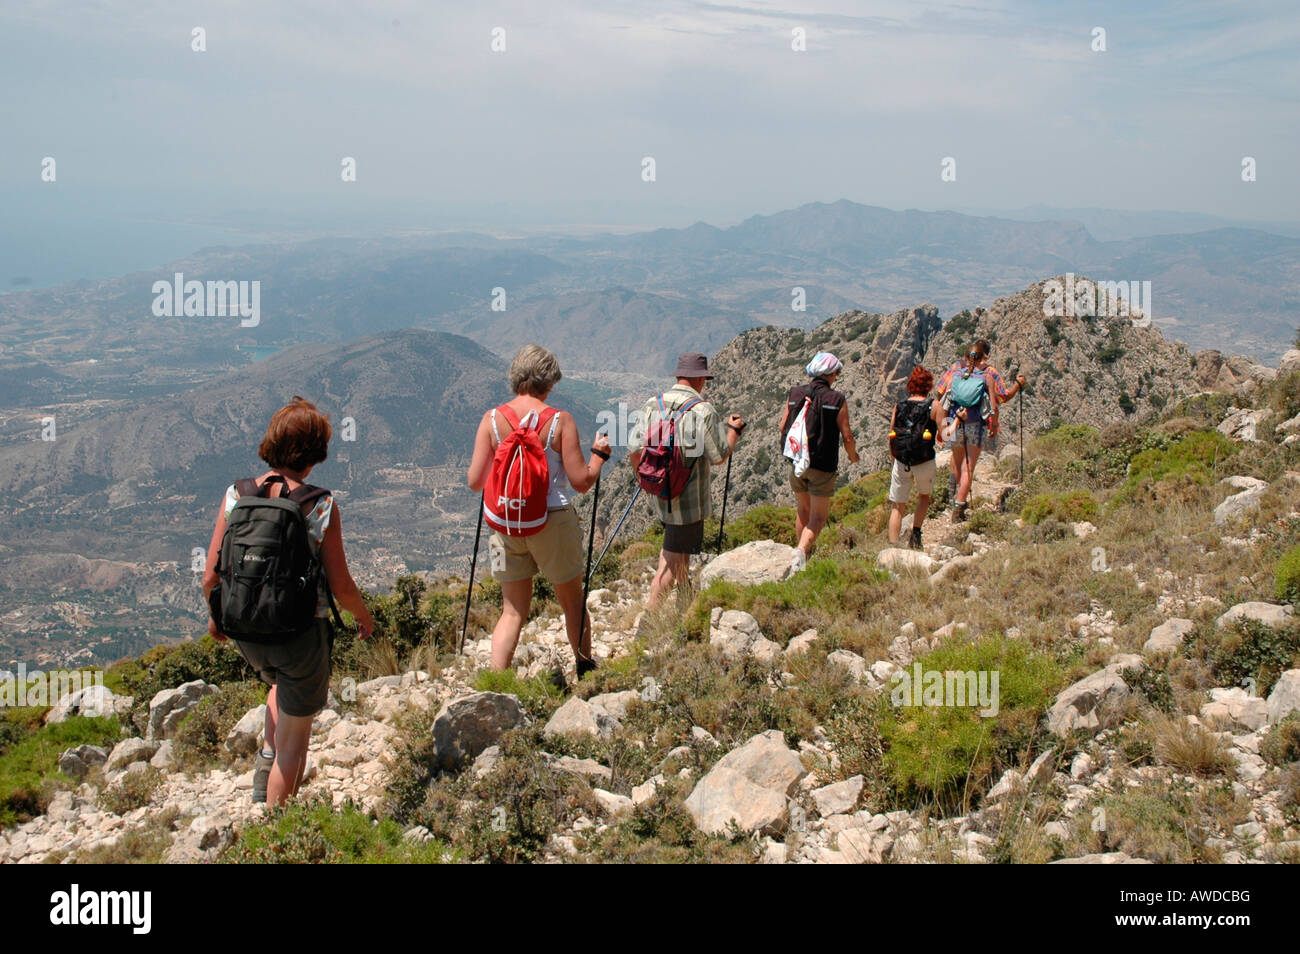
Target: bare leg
x=922 y=505
x=896 y=520
x=819 y=508
x=674 y=569
x=292 y=735
x=516 y=598
x=802 y=509
x=569 y=596
x=963 y=476
x=272 y=714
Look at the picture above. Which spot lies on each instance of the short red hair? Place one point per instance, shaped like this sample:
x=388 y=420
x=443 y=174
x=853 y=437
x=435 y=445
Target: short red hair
x=298 y=436
x=919 y=381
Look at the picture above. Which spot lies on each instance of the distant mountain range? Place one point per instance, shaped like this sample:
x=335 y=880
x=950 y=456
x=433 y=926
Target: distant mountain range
x=632 y=302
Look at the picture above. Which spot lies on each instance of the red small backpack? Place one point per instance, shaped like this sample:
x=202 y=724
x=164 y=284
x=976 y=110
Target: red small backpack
x=514 y=499
x=663 y=470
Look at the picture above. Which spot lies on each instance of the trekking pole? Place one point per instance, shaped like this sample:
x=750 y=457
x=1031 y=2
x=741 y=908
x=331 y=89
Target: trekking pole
x=617 y=528
x=591 y=542
x=726 y=488
x=469 y=594
x=1020 y=425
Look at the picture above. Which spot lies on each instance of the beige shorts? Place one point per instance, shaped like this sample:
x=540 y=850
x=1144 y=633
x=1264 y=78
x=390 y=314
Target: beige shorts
x=818 y=483
x=556 y=550
x=901 y=480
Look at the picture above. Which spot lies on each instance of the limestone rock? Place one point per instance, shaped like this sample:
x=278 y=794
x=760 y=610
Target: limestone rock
x=762 y=561
x=1285 y=697
x=725 y=796
x=896 y=559
x=1168 y=636
x=575 y=718
x=1094 y=702
x=246 y=736
x=169 y=706
x=1246 y=500
x=1236 y=707
x=1270 y=614
x=855 y=664
x=839 y=797
x=801 y=644
x=465 y=727
x=90 y=701
x=129 y=751
x=77 y=762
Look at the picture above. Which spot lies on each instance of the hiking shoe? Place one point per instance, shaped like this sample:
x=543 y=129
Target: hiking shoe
x=915 y=542
x=798 y=562
x=585 y=666
x=557 y=679
x=261 y=775
x=959 y=512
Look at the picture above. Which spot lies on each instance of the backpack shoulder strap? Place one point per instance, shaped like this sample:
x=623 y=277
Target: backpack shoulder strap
x=681 y=411
x=550 y=414
x=306 y=494
x=511 y=417
x=248 y=487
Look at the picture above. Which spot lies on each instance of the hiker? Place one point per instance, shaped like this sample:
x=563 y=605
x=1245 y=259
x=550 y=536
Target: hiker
x=553 y=547
x=824 y=424
x=704 y=440
x=916 y=425
x=297 y=668
x=968 y=390
x=1000 y=395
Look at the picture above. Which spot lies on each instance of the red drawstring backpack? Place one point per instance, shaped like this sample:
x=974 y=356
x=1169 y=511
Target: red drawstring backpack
x=514 y=499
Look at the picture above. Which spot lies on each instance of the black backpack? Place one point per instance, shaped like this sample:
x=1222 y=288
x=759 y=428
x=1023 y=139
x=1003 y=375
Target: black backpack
x=269 y=575
x=912 y=422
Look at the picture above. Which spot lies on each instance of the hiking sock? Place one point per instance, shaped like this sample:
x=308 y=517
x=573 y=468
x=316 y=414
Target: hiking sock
x=959 y=512
x=262 y=775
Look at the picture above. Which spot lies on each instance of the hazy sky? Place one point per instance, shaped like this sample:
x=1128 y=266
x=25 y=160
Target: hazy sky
x=554 y=129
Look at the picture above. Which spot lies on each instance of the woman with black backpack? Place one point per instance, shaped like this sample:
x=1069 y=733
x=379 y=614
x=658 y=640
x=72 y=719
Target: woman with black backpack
x=274 y=570
x=913 y=429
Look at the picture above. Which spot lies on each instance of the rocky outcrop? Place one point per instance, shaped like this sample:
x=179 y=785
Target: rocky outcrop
x=749 y=786
x=1095 y=702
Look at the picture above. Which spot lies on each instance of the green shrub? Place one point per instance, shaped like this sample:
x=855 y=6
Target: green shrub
x=764 y=522
x=1193 y=458
x=199 y=742
x=1069 y=506
x=133 y=790
x=34 y=758
x=661 y=831
x=948 y=755
x=166 y=667
x=1247 y=649
x=509 y=814
x=314 y=832
x=1282 y=744
x=539 y=694
x=1286 y=585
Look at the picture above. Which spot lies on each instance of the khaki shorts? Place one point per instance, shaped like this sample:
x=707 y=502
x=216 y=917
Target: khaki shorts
x=901 y=480
x=299 y=669
x=818 y=483
x=555 y=550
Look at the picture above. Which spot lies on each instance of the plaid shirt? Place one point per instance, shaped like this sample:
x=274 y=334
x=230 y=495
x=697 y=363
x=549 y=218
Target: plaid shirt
x=703 y=436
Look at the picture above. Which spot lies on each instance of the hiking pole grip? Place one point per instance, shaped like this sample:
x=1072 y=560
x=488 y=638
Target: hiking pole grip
x=473 y=561
x=726 y=488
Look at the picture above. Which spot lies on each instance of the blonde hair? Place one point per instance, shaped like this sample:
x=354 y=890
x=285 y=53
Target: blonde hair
x=534 y=371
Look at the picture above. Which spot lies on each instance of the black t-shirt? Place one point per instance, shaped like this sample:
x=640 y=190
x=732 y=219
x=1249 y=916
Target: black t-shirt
x=822 y=422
